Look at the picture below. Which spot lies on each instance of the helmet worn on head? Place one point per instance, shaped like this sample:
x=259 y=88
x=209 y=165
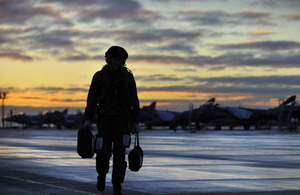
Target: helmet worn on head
x=116 y=51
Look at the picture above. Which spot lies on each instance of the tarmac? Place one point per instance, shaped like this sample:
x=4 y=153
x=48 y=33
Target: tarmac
x=206 y=162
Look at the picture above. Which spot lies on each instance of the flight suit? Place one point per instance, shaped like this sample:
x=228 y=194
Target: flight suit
x=113 y=96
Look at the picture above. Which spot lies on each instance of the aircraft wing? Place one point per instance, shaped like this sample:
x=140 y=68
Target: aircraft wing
x=165 y=115
x=240 y=113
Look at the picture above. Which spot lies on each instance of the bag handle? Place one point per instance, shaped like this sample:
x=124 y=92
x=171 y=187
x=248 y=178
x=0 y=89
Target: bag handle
x=136 y=140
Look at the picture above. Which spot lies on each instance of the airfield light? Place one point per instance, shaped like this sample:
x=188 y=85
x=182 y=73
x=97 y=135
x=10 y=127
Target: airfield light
x=2 y=97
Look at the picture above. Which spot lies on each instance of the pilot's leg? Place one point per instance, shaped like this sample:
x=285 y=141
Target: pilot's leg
x=103 y=157
x=102 y=167
x=119 y=152
x=119 y=163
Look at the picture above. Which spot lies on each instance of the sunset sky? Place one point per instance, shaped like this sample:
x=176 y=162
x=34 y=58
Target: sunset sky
x=243 y=52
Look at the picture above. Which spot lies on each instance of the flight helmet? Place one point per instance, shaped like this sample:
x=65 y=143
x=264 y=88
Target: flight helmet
x=116 y=51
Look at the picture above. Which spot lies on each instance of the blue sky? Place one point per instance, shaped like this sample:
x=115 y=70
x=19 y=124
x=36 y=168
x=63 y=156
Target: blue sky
x=241 y=52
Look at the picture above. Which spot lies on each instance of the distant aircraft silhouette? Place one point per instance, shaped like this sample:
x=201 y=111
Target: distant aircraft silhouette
x=57 y=118
x=25 y=120
x=214 y=114
x=152 y=117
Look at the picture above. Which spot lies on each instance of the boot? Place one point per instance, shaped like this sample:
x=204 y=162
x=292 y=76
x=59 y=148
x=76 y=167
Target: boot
x=101 y=182
x=117 y=189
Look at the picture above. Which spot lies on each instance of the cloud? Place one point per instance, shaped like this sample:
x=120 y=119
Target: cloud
x=57 y=89
x=15 y=30
x=215 y=62
x=157 y=77
x=178 y=47
x=64 y=42
x=154 y=35
x=156 y=58
x=232 y=92
x=185 y=69
x=67 y=100
x=4 y=40
x=9 y=35
x=16 y=56
x=15 y=43
x=260 y=32
x=88 y=11
x=294 y=16
x=245 y=81
x=75 y=3
x=31 y=98
x=131 y=11
x=81 y=58
x=264 y=45
x=278 y=3
x=20 y=12
x=275 y=61
x=221 y=18
x=43 y=41
x=228 y=59
x=236 y=90
x=272 y=85
x=278 y=81
x=224 y=90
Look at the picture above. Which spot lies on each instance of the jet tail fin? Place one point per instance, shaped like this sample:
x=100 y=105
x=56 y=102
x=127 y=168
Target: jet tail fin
x=65 y=111
x=211 y=101
x=152 y=106
x=289 y=100
x=286 y=109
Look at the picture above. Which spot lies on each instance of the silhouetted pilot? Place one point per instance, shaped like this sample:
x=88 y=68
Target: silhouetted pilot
x=113 y=96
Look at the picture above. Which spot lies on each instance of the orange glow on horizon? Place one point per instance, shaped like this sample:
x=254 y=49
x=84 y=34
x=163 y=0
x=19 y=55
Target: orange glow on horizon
x=270 y=103
x=168 y=98
x=230 y=97
x=260 y=32
x=46 y=99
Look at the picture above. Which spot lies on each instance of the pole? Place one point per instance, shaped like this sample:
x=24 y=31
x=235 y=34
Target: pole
x=3 y=96
x=3 y=113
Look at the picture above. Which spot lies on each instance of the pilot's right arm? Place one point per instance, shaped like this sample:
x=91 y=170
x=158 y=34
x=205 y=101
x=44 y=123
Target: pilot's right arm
x=91 y=103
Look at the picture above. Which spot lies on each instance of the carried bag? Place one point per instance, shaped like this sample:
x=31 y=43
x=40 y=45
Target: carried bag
x=136 y=155
x=85 y=143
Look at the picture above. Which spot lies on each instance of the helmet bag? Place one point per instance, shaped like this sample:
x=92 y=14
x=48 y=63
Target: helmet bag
x=136 y=155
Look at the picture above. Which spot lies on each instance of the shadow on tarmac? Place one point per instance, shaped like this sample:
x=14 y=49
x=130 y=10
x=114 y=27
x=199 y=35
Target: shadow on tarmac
x=18 y=182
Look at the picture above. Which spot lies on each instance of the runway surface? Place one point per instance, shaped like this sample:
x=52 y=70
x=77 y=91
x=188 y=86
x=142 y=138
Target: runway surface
x=205 y=162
